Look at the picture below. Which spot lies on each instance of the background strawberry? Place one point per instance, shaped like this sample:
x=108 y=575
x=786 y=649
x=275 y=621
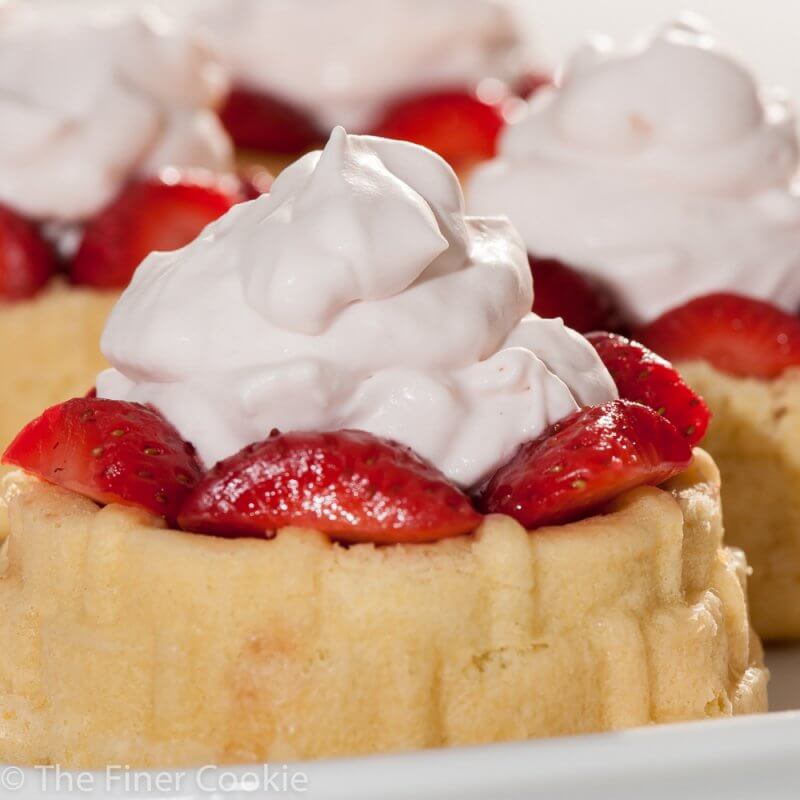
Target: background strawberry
x=263 y=122
x=455 y=124
x=560 y=291
x=26 y=260
x=148 y=215
x=738 y=335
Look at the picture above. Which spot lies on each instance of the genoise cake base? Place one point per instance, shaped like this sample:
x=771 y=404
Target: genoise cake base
x=124 y=643
x=49 y=351
x=755 y=439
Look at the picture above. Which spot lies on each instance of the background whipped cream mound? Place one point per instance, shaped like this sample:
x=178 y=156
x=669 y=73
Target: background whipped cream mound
x=659 y=169
x=89 y=100
x=342 y=61
x=355 y=295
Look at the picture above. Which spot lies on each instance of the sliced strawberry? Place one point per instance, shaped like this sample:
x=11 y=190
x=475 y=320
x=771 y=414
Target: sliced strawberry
x=26 y=260
x=263 y=122
x=147 y=215
x=111 y=452
x=648 y=379
x=455 y=124
x=349 y=484
x=585 y=461
x=738 y=335
x=560 y=291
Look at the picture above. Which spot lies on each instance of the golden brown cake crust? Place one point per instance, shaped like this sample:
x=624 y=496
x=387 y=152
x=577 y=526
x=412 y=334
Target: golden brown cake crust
x=755 y=439
x=121 y=642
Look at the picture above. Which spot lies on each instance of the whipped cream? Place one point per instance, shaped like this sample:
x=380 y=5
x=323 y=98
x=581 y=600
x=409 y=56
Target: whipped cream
x=89 y=100
x=661 y=170
x=342 y=62
x=355 y=295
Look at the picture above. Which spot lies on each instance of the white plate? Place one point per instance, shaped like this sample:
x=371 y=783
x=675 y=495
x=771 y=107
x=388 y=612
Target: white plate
x=749 y=757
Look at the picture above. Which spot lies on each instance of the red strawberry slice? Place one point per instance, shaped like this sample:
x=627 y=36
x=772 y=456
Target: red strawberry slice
x=738 y=335
x=261 y=121
x=111 y=452
x=648 y=379
x=455 y=124
x=349 y=484
x=147 y=215
x=585 y=461
x=560 y=291
x=26 y=260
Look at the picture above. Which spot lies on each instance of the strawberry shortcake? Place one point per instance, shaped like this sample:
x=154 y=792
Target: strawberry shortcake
x=654 y=189
x=111 y=148
x=367 y=509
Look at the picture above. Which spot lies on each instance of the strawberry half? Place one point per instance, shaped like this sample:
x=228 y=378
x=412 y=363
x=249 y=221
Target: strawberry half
x=585 y=461
x=455 y=124
x=349 y=484
x=148 y=215
x=26 y=260
x=111 y=452
x=738 y=335
x=560 y=291
x=648 y=379
x=263 y=122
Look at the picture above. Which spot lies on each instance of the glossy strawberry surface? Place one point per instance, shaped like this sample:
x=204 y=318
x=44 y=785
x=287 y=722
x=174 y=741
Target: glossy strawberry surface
x=349 y=484
x=643 y=376
x=583 y=462
x=110 y=451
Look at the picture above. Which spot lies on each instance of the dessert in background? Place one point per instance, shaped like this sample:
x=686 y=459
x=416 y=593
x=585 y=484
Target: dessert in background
x=661 y=179
x=662 y=172
x=436 y=72
x=332 y=584
x=743 y=355
x=111 y=148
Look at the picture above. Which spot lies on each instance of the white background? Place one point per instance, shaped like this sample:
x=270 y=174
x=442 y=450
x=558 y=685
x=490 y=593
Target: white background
x=765 y=34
